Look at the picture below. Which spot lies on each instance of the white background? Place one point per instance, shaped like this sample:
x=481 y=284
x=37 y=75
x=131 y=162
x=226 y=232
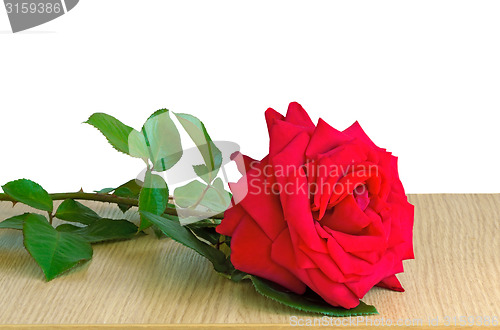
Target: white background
x=422 y=77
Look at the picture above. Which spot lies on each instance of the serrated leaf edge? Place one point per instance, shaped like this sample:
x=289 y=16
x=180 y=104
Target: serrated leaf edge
x=309 y=311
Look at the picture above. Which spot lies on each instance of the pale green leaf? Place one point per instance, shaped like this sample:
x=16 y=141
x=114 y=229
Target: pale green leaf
x=203 y=172
x=137 y=145
x=198 y=133
x=189 y=194
x=216 y=199
x=104 y=191
x=195 y=193
x=163 y=140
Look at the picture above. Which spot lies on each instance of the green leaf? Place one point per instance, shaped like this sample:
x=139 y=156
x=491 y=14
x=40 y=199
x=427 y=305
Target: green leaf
x=172 y=228
x=163 y=140
x=308 y=302
x=153 y=197
x=15 y=222
x=195 y=193
x=189 y=194
x=130 y=189
x=217 y=199
x=114 y=130
x=238 y=276
x=137 y=145
x=203 y=172
x=158 y=233
x=55 y=252
x=104 y=191
x=102 y=230
x=29 y=193
x=74 y=211
x=212 y=223
x=198 y=133
x=207 y=233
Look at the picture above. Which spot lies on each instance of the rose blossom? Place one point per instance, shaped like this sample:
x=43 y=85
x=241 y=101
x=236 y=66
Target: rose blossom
x=324 y=209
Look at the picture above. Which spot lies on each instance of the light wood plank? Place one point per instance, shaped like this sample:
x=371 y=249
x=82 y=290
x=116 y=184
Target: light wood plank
x=149 y=281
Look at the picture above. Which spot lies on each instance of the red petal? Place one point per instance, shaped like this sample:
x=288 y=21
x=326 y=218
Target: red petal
x=252 y=194
x=251 y=253
x=281 y=134
x=298 y=215
x=232 y=218
x=346 y=217
x=298 y=116
x=295 y=194
x=347 y=262
x=243 y=162
x=284 y=253
x=336 y=294
x=356 y=131
x=391 y=283
x=271 y=117
x=324 y=139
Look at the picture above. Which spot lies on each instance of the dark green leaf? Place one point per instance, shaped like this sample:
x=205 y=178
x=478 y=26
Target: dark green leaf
x=102 y=230
x=130 y=189
x=29 y=193
x=238 y=276
x=308 y=302
x=163 y=140
x=158 y=233
x=205 y=223
x=153 y=197
x=114 y=130
x=198 y=133
x=69 y=228
x=172 y=228
x=15 y=222
x=207 y=233
x=74 y=211
x=133 y=189
x=55 y=252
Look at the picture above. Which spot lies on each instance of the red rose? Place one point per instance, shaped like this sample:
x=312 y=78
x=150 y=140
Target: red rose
x=325 y=209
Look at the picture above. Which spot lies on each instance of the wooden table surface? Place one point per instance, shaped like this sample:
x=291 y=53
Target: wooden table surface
x=456 y=274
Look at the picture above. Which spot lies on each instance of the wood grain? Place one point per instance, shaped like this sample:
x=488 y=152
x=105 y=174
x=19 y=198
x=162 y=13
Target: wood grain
x=149 y=281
